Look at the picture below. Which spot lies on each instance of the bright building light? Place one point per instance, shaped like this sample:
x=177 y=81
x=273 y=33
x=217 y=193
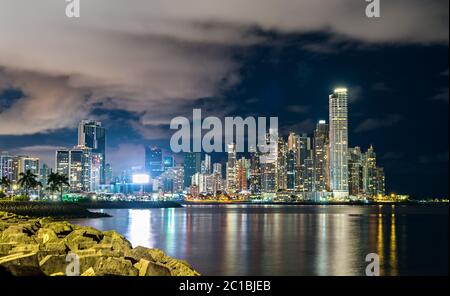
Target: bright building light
x=141 y=179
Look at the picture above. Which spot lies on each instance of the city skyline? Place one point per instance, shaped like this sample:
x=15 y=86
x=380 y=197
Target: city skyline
x=313 y=166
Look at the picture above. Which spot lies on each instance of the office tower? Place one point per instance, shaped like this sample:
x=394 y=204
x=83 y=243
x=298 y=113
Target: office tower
x=169 y=162
x=6 y=166
x=381 y=189
x=21 y=164
x=76 y=164
x=192 y=162
x=217 y=168
x=45 y=172
x=153 y=161
x=281 y=164
x=177 y=179
x=91 y=134
x=320 y=157
x=308 y=177
x=255 y=172
x=96 y=170
x=268 y=162
x=303 y=153
x=203 y=182
x=231 y=168
x=293 y=142
x=206 y=164
x=242 y=174
x=373 y=176
x=291 y=170
x=338 y=105
x=355 y=172
x=108 y=174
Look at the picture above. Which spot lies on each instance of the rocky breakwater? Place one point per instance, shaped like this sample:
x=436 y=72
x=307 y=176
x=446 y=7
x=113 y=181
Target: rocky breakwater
x=32 y=247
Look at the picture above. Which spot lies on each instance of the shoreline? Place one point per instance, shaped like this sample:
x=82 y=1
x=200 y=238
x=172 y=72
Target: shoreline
x=355 y=203
x=65 y=210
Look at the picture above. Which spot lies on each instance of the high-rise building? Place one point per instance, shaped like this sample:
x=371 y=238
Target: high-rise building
x=178 y=179
x=291 y=170
x=231 y=169
x=255 y=172
x=6 y=166
x=304 y=152
x=45 y=172
x=169 y=162
x=281 y=164
x=242 y=174
x=92 y=134
x=338 y=108
x=192 y=163
x=355 y=172
x=217 y=168
x=206 y=165
x=25 y=163
x=320 y=156
x=153 y=161
x=76 y=164
x=268 y=162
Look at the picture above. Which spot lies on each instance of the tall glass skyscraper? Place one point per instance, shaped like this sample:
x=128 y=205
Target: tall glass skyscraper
x=192 y=163
x=92 y=135
x=153 y=161
x=339 y=143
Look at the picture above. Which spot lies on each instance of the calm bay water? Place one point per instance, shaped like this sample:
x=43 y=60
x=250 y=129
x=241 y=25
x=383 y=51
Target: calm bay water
x=291 y=240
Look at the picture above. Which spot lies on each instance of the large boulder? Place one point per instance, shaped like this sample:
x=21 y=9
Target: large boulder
x=21 y=264
x=53 y=264
x=113 y=266
x=148 y=268
x=61 y=229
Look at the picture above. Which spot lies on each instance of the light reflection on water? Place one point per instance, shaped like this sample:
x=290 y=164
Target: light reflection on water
x=291 y=240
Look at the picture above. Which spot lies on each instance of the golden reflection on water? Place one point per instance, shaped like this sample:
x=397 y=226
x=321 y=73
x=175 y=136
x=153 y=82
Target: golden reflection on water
x=393 y=252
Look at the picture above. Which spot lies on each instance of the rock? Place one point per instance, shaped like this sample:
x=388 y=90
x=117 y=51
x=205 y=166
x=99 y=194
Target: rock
x=119 y=242
x=148 y=268
x=53 y=264
x=88 y=261
x=5 y=248
x=21 y=264
x=89 y=272
x=25 y=248
x=60 y=228
x=46 y=235
x=115 y=266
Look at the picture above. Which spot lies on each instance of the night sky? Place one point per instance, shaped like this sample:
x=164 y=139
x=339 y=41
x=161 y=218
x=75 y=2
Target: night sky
x=398 y=84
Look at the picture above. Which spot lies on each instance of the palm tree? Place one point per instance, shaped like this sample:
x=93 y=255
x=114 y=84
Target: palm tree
x=28 y=181
x=5 y=183
x=57 y=182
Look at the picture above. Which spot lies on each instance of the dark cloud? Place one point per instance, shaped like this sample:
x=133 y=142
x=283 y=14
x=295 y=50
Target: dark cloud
x=376 y=123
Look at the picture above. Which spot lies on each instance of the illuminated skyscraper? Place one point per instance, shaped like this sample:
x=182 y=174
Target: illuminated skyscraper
x=304 y=152
x=231 y=169
x=255 y=172
x=281 y=164
x=153 y=161
x=76 y=164
x=6 y=166
x=91 y=134
x=338 y=108
x=242 y=174
x=320 y=157
x=192 y=162
x=268 y=161
x=355 y=171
